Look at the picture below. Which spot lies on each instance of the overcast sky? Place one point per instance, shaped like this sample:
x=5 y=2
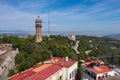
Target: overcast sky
x=65 y=15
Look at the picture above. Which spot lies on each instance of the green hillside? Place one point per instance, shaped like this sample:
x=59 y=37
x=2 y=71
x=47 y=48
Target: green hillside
x=32 y=53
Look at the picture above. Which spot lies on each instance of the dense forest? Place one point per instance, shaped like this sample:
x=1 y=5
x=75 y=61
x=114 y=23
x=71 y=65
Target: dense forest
x=32 y=53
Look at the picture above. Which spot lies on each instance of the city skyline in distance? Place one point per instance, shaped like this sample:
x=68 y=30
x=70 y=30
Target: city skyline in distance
x=97 y=16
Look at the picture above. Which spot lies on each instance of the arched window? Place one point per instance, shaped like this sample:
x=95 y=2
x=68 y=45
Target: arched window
x=99 y=78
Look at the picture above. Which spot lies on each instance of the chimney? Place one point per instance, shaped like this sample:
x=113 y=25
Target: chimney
x=61 y=63
x=66 y=59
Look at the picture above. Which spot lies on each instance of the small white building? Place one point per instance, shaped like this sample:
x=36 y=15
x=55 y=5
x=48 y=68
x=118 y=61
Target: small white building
x=72 y=37
x=96 y=70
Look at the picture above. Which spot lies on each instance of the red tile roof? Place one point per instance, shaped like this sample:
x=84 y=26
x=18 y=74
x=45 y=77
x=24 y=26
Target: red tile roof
x=42 y=72
x=22 y=76
x=45 y=73
x=62 y=62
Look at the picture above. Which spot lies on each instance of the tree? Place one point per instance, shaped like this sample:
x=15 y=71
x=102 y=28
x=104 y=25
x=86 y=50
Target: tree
x=61 y=51
x=22 y=66
x=19 y=58
x=11 y=73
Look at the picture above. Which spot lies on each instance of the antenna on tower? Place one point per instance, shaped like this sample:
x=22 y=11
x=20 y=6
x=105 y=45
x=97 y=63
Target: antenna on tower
x=48 y=25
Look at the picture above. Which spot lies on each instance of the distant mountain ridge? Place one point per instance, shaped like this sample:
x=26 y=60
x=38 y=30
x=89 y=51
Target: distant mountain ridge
x=113 y=36
x=88 y=33
x=15 y=32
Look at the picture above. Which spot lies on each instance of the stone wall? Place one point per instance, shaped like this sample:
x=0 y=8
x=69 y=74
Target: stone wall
x=8 y=64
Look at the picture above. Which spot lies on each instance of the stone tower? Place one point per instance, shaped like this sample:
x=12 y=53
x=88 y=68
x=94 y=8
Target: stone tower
x=38 y=25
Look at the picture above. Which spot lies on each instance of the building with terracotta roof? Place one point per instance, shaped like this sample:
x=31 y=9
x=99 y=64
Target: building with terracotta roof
x=54 y=69
x=96 y=70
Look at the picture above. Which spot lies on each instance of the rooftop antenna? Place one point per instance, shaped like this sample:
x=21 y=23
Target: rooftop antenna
x=48 y=25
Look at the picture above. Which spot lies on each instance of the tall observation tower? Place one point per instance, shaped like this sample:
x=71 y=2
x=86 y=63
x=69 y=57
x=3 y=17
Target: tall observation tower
x=38 y=25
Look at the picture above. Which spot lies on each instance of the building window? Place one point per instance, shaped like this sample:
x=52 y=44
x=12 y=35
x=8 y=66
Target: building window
x=75 y=71
x=85 y=71
x=102 y=76
x=99 y=78
x=60 y=78
x=89 y=73
x=70 y=76
x=73 y=74
x=94 y=77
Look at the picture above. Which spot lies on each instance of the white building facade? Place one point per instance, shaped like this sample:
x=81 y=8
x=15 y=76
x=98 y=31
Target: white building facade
x=94 y=70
